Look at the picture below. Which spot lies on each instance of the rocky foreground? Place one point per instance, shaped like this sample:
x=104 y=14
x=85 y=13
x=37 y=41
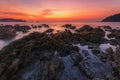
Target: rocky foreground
x=60 y=56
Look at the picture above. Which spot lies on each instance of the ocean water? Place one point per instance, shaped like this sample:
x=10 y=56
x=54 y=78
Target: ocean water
x=57 y=25
x=54 y=25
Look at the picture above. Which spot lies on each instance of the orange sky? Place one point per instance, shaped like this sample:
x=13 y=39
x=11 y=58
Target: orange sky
x=59 y=10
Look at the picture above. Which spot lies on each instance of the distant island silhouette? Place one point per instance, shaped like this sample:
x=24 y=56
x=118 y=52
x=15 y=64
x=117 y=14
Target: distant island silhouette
x=11 y=20
x=113 y=18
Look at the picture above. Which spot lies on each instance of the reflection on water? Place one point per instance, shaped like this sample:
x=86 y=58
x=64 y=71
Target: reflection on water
x=57 y=25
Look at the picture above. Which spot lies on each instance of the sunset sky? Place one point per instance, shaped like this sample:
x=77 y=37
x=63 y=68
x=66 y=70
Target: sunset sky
x=59 y=10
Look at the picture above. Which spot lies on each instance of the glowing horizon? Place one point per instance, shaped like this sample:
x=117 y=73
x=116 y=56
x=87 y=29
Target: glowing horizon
x=55 y=10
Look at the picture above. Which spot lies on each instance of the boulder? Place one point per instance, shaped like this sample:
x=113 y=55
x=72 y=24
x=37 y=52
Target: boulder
x=117 y=59
x=69 y=26
x=85 y=28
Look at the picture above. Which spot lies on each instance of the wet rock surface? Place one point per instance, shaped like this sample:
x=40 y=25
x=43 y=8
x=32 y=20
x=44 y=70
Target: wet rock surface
x=41 y=47
x=23 y=29
x=9 y=31
x=89 y=34
x=64 y=55
x=69 y=26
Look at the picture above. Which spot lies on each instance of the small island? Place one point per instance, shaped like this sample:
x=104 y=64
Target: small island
x=11 y=20
x=113 y=18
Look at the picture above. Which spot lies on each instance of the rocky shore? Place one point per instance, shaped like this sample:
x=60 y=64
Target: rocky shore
x=72 y=54
x=9 y=31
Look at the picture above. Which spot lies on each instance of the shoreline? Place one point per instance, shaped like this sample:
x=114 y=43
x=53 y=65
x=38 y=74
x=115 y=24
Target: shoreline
x=49 y=55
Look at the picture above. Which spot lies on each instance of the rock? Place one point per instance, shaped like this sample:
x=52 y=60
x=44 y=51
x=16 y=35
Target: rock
x=115 y=37
x=14 y=65
x=6 y=32
x=85 y=52
x=35 y=27
x=69 y=26
x=9 y=32
x=49 y=31
x=7 y=35
x=103 y=56
x=2 y=67
x=107 y=28
x=76 y=57
x=96 y=51
x=11 y=20
x=111 y=35
x=85 y=70
x=19 y=57
x=110 y=53
x=23 y=29
x=93 y=35
x=67 y=36
x=45 y=25
x=51 y=69
x=32 y=48
x=97 y=79
x=46 y=55
x=39 y=26
x=84 y=28
x=113 y=18
x=117 y=58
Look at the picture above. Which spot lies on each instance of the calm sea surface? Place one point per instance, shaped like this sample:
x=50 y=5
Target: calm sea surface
x=58 y=24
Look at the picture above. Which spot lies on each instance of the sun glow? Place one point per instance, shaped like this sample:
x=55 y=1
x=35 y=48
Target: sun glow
x=58 y=15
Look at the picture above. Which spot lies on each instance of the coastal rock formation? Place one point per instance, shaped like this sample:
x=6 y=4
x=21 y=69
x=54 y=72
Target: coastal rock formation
x=23 y=29
x=117 y=60
x=85 y=28
x=113 y=18
x=9 y=31
x=59 y=56
x=11 y=20
x=37 y=47
x=69 y=26
x=89 y=34
x=114 y=36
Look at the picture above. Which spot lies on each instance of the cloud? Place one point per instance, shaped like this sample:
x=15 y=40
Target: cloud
x=46 y=12
x=16 y=14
